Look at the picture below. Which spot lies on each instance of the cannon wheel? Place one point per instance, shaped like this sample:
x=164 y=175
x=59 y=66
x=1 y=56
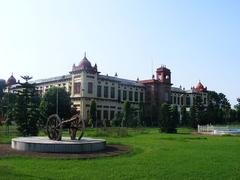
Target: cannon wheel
x=54 y=127
x=77 y=127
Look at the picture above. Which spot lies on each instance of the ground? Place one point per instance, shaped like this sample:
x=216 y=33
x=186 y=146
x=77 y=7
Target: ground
x=152 y=155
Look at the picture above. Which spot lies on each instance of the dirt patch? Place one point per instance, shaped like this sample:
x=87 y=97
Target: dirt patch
x=111 y=150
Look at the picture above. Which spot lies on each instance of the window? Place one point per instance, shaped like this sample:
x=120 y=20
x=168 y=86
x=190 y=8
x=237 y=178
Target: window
x=130 y=95
x=136 y=96
x=119 y=95
x=166 y=96
x=77 y=87
x=99 y=91
x=90 y=88
x=174 y=100
x=141 y=97
x=112 y=114
x=182 y=101
x=99 y=114
x=188 y=101
x=105 y=91
x=124 y=95
x=105 y=114
x=112 y=92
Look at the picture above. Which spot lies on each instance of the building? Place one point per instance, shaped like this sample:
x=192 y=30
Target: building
x=187 y=98
x=84 y=83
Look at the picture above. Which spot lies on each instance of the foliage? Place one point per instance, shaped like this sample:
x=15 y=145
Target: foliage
x=168 y=118
x=48 y=105
x=174 y=118
x=219 y=108
x=116 y=122
x=27 y=111
x=194 y=121
x=8 y=106
x=93 y=113
x=2 y=87
x=184 y=116
x=237 y=108
x=127 y=113
x=141 y=114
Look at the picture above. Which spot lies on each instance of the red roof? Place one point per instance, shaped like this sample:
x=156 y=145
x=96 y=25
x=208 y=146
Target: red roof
x=199 y=87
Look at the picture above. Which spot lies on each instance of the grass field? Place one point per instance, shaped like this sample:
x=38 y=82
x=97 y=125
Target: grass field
x=153 y=156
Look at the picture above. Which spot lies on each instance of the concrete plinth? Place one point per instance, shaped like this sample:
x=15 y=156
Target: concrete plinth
x=66 y=145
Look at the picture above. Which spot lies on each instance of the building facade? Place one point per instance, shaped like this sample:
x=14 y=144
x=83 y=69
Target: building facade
x=85 y=83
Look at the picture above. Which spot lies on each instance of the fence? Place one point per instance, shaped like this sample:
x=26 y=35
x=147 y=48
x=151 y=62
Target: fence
x=8 y=130
x=205 y=128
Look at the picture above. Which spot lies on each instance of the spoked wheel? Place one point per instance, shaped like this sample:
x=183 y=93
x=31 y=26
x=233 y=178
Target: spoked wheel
x=77 y=127
x=54 y=127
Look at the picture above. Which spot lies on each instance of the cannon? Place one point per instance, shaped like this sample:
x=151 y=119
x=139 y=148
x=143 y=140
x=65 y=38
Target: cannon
x=55 y=126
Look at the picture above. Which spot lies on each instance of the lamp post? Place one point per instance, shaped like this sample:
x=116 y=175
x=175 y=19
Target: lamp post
x=57 y=102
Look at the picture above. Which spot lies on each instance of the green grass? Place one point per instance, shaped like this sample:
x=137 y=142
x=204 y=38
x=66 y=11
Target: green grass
x=153 y=156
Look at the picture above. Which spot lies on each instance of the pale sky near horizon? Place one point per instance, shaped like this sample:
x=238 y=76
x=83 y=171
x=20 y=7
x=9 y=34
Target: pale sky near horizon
x=197 y=40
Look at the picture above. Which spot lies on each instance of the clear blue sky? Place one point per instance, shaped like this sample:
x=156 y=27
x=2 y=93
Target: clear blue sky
x=197 y=40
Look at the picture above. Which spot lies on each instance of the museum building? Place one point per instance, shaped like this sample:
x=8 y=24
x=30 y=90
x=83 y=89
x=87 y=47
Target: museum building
x=84 y=83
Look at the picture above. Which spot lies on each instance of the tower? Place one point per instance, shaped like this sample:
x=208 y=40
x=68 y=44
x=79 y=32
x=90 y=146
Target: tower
x=163 y=75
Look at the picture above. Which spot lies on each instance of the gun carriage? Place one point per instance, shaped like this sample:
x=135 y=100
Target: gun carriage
x=55 y=127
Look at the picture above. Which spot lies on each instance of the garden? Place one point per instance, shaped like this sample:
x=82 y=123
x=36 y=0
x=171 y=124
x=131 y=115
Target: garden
x=151 y=155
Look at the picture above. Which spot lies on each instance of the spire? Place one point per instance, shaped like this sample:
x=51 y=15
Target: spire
x=85 y=54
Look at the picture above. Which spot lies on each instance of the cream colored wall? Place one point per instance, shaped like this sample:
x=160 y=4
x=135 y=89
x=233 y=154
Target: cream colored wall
x=192 y=96
x=44 y=87
x=83 y=99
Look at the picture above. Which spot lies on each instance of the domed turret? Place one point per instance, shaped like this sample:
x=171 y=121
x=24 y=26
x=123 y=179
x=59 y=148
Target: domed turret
x=84 y=65
x=199 y=87
x=11 y=81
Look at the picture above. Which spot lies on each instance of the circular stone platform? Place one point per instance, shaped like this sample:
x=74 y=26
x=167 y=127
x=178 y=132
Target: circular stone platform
x=66 y=145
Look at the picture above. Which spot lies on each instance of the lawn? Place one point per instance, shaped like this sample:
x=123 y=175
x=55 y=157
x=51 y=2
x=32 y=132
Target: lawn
x=153 y=156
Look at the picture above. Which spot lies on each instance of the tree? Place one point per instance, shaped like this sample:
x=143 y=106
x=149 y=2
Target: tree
x=200 y=117
x=233 y=115
x=9 y=105
x=126 y=114
x=174 y=119
x=211 y=113
x=27 y=111
x=168 y=118
x=2 y=87
x=193 y=117
x=220 y=107
x=141 y=114
x=93 y=113
x=237 y=108
x=184 y=116
x=55 y=101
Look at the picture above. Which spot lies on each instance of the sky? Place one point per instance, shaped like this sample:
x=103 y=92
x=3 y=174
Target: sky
x=197 y=40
